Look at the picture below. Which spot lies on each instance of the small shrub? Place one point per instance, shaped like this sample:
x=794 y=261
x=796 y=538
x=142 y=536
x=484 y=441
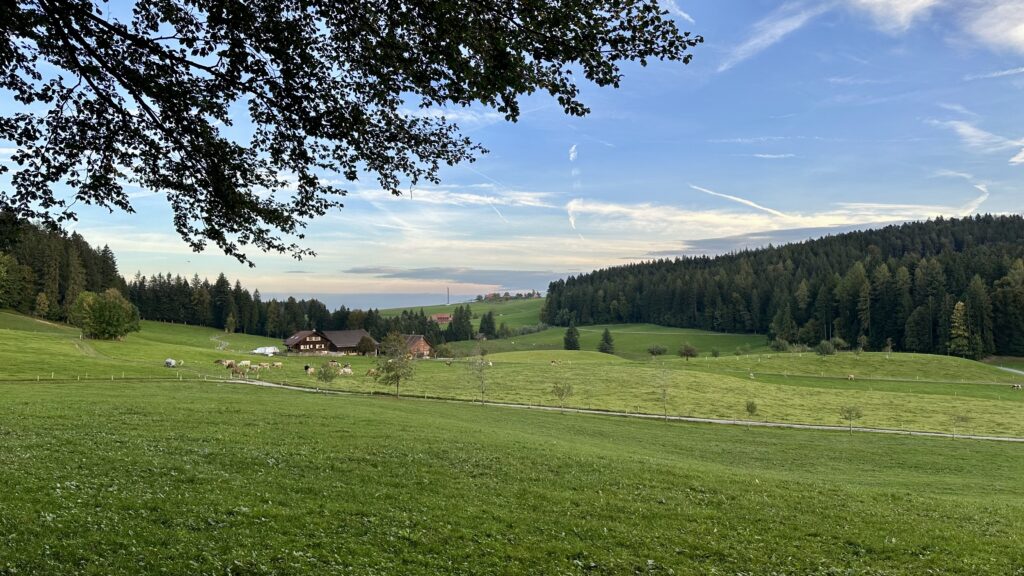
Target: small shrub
x=715 y=352
x=657 y=350
x=840 y=344
x=443 y=351
x=825 y=348
x=779 y=345
x=688 y=351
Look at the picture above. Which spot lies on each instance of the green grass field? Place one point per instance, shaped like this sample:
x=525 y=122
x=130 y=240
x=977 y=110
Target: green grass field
x=515 y=313
x=199 y=478
x=631 y=340
x=905 y=391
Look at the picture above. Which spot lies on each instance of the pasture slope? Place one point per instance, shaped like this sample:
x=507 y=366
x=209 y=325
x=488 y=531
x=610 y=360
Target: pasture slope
x=903 y=392
x=515 y=313
x=144 y=473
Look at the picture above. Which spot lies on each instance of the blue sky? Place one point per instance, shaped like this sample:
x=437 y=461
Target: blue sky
x=793 y=119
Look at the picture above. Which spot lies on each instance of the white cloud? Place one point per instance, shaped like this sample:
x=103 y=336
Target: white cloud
x=953 y=174
x=972 y=206
x=773 y=156
x=895 y=15
x=675 y=9
x=998 y=23
x=457 y=197
x=996 y=74
x=572 y=153
x=464 y=116
x=958 y=108
x=739 y=200
x=1018 y=159
x=780 y=23
x=977 y=138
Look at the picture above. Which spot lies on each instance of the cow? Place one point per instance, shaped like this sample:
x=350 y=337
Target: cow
x=170 y=363
x=264 y=365
x=245 y=363
x=346 y=371
x=309 y=370
x=239 y=371
x=1016 y=387
x=372 y=372
x=447 y=362
x=277 y=365
x=851 y=377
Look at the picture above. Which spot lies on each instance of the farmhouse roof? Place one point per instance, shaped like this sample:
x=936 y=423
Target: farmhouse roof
x=298 y=336
x=411 y=339
x=347 y=338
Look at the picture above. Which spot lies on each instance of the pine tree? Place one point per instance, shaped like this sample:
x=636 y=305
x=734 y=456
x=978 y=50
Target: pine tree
x=959 y=333
x=607 y=345
x=571 y=341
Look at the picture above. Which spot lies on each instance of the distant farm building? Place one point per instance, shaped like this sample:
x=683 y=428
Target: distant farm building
x=441 y=318
x=418 y=346
x=328 y=341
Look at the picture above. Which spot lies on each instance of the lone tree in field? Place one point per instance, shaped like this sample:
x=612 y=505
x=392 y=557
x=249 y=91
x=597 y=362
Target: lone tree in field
x=751 y=409
x=478 y=367
x=104 y=316
x=395 y=364
x=571 y=341
x=687 y=351
x=562 y=391
x=366 y=345
x=607 y=345
x=825 y=348
x=146 y=94
x=851 y=414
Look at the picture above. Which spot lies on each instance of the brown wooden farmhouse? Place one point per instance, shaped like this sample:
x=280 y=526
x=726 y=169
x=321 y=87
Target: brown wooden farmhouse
x=418 y=346
x=328 y=341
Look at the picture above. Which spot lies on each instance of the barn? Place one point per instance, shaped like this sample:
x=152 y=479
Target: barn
x=327 y=341
x=418 y=346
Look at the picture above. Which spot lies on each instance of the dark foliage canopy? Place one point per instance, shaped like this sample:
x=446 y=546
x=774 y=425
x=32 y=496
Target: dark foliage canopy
x=146 y=92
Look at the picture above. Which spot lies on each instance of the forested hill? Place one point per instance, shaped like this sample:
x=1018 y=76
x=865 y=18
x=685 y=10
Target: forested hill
x=899 y=286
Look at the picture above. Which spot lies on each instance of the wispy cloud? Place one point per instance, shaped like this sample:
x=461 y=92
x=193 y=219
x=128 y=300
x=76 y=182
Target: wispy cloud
x=573 y=153
x=895 y=15
x=953 y=174
x=853 y=81
x=674 y=8
x=982 y=140
x=467 y=117
x=767 y=32
x=739 y=200
x=461 y=197
x=958 y=108
x=773 y=156
x=996 y=74
x=972 y=206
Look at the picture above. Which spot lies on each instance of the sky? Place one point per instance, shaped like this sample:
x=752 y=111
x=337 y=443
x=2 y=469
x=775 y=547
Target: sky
x=794 y=120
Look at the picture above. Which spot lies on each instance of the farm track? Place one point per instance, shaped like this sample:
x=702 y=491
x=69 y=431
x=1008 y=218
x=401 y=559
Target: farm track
x=692 y=419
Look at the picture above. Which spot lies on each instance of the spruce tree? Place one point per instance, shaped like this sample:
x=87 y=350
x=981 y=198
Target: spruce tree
x=607 y=345
x=571 y=341
x=959 y=333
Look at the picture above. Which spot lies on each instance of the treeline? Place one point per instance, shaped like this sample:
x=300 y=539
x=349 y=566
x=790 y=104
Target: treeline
x=231 y=307
x=42 y=272
x=944 y=286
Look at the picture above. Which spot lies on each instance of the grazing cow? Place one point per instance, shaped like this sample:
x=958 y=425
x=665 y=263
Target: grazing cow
x=170 y=363
x=309 y=370
x=447 y=362
x=239 y=371
x=264 y=365
x=1016 y=387
x=555 y=362
x=245 y=363
x=850 y=377
x=346 y=371
x=277 y=365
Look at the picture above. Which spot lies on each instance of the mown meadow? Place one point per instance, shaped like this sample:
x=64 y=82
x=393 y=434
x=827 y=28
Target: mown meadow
x=202 y=478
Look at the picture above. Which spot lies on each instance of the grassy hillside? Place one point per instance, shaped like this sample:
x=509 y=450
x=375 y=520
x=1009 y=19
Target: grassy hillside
x=515 y=313
x=173 y=478
x=631 y=340
x=904 y=391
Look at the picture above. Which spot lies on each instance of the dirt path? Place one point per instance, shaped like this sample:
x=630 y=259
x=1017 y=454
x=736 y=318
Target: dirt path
x=1014 y=370
x=748 y=423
